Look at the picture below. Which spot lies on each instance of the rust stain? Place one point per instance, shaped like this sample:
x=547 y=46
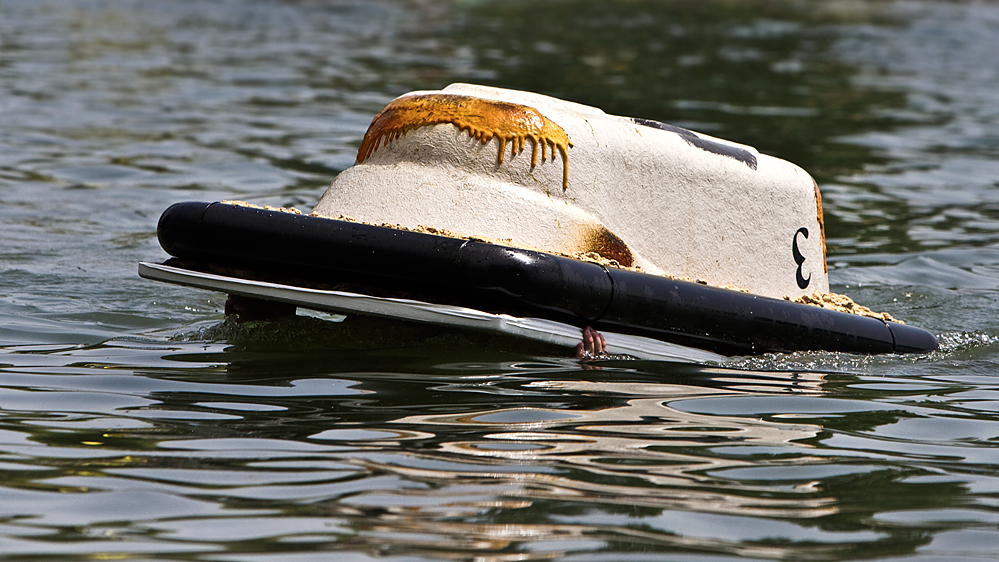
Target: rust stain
x=608 y=245
x=822 y=225
x=482 y=119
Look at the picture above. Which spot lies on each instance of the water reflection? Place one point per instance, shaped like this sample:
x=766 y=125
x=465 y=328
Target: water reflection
x=517 y=457
x=645 y=448
x=581 y=474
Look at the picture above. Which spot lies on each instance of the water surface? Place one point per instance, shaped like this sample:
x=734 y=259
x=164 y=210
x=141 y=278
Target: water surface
x=137 y=424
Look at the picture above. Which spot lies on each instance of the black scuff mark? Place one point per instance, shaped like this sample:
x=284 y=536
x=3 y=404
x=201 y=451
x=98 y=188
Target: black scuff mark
x=693 y=139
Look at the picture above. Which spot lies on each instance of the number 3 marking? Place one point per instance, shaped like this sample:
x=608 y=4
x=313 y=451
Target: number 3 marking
x=800 y=259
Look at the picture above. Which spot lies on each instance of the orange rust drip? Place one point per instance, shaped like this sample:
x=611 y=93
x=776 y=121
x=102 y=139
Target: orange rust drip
x=822 y=224
x=482 y=119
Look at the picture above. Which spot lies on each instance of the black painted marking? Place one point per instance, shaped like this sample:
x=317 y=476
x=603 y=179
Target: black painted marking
x=800 y=259
x=693 y=139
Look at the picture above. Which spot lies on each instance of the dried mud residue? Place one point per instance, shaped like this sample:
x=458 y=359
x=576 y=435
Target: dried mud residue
x=592 y=257
x=841 y=303
x=830 y=301
x=291 y=210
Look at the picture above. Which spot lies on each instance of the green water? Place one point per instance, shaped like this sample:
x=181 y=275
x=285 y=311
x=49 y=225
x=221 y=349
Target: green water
x=137 y=424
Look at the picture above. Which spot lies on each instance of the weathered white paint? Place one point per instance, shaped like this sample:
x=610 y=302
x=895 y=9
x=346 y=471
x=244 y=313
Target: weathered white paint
x=681 y=209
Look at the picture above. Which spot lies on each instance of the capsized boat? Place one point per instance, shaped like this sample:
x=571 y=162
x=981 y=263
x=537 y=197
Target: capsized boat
x=519 y=213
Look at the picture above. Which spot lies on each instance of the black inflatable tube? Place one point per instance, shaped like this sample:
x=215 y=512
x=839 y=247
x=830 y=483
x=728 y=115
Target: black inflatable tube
x=523 y=282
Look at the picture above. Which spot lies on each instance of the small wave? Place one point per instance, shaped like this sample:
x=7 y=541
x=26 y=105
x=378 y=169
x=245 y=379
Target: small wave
x=810 y=361
x=957 y=342
x=951 y=343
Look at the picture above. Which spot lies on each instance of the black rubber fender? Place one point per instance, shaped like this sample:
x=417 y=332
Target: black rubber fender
x=519 y=281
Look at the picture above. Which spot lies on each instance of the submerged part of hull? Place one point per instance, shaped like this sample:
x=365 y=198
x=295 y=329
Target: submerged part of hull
x=314 y=251
x=407 y=310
